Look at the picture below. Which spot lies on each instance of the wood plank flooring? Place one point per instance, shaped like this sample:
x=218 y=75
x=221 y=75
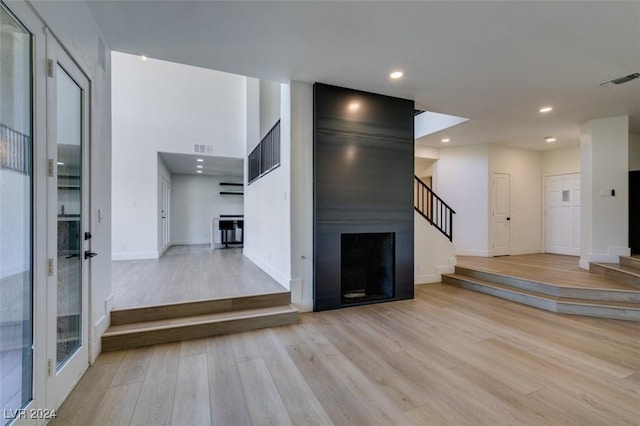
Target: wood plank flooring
x=554 y=269
x=450 y=356
x=187 y=273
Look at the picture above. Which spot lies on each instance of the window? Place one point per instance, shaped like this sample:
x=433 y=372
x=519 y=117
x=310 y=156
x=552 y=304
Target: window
x=266 y=156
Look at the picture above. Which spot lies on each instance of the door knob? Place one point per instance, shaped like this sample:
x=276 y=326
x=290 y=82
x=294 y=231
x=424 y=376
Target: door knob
x=88 y=254
x=508 y=218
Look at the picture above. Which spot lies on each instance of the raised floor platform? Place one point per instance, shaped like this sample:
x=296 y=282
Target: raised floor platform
x=551 y=282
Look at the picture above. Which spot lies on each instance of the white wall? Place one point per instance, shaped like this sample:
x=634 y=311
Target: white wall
x=525 y=170
x=267 y=200
x=194 y=201
x=167 y=107
x=462 y=179
x=269 y=106
x=604 y=150
x=434 y=253
x=561 y=161
x=634 y=151
x=302 y=195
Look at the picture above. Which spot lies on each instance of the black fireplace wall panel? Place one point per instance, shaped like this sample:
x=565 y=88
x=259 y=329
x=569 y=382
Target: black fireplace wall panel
x=363 y=183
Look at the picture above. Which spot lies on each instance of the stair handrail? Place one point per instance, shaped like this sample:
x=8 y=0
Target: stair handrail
x=437 y=212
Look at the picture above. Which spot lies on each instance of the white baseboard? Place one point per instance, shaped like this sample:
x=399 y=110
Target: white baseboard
x=425 y=279
x=276 y=275
x=163 y=250
x=480 y=253
x=134 y=256
x=613 y=256
x=191 y=242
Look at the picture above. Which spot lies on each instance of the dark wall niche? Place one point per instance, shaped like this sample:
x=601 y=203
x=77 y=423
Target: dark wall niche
x=363 y=197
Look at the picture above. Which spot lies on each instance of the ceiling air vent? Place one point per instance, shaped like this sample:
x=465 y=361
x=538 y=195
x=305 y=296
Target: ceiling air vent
x=621 y=80
x=202 y=149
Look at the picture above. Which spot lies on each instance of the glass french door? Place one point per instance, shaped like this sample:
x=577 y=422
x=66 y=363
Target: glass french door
x=16 y=224
x=67 y=287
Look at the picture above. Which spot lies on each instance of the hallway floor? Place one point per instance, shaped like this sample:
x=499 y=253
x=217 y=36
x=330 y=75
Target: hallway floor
x=188 y=273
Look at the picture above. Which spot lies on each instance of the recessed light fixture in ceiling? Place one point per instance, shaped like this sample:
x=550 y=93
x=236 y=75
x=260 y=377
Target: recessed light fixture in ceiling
x=446 y=140
x=199 y=160
x=549 y=139
x=199 y=171
x=546 y=109
x=199 y=166
x=396 y=75
x=143 y=58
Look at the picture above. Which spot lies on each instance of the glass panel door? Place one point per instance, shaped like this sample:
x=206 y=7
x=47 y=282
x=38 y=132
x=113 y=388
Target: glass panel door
x=67 y=287
x=16 y=271
x=69 y=207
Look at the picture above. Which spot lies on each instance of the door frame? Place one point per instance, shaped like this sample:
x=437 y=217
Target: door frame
x=59 y=383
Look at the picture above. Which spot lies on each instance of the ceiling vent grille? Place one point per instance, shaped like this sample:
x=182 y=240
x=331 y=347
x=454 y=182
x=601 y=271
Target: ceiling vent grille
x=621 y=80
x=202 y=149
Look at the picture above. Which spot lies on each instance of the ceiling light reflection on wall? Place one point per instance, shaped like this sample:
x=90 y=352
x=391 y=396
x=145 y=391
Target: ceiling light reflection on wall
x=396 y=75
x=546 y=109
x=550 y=139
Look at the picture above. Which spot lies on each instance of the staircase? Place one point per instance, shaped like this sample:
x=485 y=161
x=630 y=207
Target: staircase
x=193 y=320
x=433 y=208
x=595 y=302
x=627 y=271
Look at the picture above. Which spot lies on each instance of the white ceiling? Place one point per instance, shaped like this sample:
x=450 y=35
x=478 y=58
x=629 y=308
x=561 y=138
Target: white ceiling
x=186 y=164
x=496 y=63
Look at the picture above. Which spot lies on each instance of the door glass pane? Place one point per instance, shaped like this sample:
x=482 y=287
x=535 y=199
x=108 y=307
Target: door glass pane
x=69 y=143
x=15 y=217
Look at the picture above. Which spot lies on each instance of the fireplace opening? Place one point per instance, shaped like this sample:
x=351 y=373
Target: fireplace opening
x=367 y=267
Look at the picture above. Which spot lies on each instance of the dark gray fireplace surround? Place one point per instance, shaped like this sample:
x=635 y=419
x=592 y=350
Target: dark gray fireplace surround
x=363 y=197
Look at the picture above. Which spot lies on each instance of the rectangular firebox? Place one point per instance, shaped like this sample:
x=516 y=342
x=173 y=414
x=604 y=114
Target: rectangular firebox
x=367 y=267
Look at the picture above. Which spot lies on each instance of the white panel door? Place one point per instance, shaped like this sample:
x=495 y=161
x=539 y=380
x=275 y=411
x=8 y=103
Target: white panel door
x=562 y=214
x=500 y=213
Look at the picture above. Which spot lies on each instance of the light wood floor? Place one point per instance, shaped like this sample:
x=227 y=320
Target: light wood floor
x=448 y=357
x=555 y=269
x=187 y=273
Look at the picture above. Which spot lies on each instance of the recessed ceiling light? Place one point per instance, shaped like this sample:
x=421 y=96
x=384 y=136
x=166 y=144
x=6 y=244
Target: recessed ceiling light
x=396 y=75
x=354 y=106
x=445 y=140
x=550 y=139
x=546 y=109
x=60 y=163
x=199 y=166
x=143 y=58
x=199 y=171
x=199 y=160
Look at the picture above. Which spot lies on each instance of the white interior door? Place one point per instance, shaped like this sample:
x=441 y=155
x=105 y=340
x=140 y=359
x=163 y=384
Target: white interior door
x=68 y=220
x=165 y=193
x=562 y=214
x=500 y=213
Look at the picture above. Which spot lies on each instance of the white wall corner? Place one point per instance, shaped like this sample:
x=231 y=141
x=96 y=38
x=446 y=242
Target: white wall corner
x=297 y=296
x=281 y=279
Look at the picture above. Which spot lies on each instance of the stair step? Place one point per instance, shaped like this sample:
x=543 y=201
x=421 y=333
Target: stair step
x=631 y=261
x=575 y=306
x=617 y=272
x=199 y=307
x=611 y=295
x=194 y=327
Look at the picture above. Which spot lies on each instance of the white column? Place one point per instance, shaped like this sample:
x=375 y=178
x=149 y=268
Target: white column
x=604 y=156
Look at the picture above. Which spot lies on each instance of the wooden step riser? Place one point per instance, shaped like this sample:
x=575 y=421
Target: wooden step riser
x=188 y=332
x=613 y=274
x=632 y=262
x=550 y=290
x=202 y=307
x=552 y=306
x=509 y=281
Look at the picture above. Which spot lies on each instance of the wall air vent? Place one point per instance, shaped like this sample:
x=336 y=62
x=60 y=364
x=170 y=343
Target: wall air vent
x=621 y=80
x=202 y=149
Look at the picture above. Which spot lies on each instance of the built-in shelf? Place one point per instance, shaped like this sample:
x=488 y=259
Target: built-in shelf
x=231 y=193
